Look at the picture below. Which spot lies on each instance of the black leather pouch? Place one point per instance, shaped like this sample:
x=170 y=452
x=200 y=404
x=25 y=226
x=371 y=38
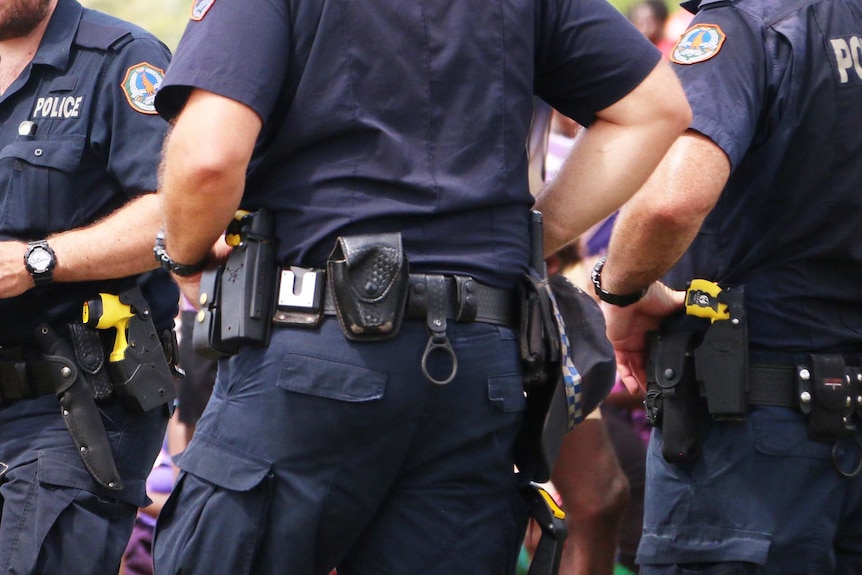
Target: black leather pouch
x=368 y=277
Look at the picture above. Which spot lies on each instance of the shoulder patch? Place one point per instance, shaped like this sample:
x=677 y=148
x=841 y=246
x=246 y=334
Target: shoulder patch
x=698 y=44
x=200 y=9
x=140 y=85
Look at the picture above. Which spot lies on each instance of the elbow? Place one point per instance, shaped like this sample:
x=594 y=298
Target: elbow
x=671 y=104
x=675 y=111
x=673 y=212
x=201 y=164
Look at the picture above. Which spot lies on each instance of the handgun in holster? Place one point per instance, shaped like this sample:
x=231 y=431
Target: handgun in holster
x=552 y=521
x=138 y=368
x=238 y=298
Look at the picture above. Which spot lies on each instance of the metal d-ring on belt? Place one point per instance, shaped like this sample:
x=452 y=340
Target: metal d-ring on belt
x=790 y=386
x=437 y=298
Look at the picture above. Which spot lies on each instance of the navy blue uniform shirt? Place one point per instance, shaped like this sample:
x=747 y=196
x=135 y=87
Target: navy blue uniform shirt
x=777 y=84
x=89 y=90
x=408 y=117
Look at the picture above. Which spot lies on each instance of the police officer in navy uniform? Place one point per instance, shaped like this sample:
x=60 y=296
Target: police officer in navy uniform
x=316 y=450
x=79 y=155
x=763 y=197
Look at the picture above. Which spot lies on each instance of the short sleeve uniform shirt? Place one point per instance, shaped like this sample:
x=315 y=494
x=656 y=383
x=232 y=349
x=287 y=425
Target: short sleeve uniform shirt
x=777 y=85
x=90 y=141
x=410 y=117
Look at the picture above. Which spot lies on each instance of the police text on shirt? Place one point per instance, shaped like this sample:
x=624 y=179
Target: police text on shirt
x=65 y=107
x=848 y=55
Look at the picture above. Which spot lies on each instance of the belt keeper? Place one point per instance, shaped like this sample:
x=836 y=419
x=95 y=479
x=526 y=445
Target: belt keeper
x=855 y=374
x=803 y=388
x=436 y=322
x=468 y=301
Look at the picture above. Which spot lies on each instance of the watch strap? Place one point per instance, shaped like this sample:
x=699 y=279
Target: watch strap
x=621 y=300
x=167 y=263
x=40 y=277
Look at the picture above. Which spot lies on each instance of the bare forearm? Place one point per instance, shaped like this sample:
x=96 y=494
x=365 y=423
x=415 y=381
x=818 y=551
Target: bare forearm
x=118 y=245
x=203 y=176
x=656 y=227
x=612 y=159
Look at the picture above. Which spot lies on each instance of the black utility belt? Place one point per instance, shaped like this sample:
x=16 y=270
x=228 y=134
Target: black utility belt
x=24 y=374
x=699 y=369
x=304 y=296
x=828 y=389
x=25 y=380
x=366 y=285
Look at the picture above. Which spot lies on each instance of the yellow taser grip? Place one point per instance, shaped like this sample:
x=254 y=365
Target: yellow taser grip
x=701 y=300
x=113 y=314
x=232 y=238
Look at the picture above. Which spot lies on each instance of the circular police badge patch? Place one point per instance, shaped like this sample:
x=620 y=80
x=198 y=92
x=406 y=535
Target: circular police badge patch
x=200 y=8
x=698 y=44
x=140 y=85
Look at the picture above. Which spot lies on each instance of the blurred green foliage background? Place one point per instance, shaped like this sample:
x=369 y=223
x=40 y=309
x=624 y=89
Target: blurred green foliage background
x=164 y=18
x=167 y=18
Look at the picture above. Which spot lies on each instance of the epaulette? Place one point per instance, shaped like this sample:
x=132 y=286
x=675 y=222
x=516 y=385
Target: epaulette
x=101 y=36
x=695 y=6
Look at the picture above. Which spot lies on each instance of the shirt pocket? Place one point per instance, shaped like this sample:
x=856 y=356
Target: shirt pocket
x=40 y=195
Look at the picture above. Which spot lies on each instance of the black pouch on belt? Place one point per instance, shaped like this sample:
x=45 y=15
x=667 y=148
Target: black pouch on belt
x=673 y=398
x=830 y=412
x=369 y=278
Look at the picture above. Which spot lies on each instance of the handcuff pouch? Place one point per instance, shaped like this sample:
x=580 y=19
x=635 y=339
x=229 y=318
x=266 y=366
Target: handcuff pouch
x=368 y=276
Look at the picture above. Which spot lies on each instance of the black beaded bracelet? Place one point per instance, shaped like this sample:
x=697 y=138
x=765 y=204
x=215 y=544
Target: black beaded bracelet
x=611 y=298
x=165 y=261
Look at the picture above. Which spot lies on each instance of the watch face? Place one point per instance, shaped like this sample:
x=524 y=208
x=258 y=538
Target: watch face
x=39 y=260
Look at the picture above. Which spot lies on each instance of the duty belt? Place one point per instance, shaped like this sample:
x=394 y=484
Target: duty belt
x=796 y=385
x=827 y=390
x=304 y=296
x=24 y=380
x=466 y=300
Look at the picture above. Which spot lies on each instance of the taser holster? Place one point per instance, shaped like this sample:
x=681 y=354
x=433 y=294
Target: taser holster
x=237 y=299
x=721 y=359
x=138 y=368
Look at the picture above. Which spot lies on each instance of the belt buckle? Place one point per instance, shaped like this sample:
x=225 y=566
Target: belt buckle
x=299 y=297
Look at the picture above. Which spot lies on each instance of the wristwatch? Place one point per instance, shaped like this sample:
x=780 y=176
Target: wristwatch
x=165 y=261
x=40 y=260
x=612 y=298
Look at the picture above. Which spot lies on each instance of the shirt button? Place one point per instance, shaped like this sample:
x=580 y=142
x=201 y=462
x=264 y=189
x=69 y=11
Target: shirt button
x=38 y=152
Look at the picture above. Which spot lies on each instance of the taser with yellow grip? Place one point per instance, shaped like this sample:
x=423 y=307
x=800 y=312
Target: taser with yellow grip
x=107 y=311
x=701 y=300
